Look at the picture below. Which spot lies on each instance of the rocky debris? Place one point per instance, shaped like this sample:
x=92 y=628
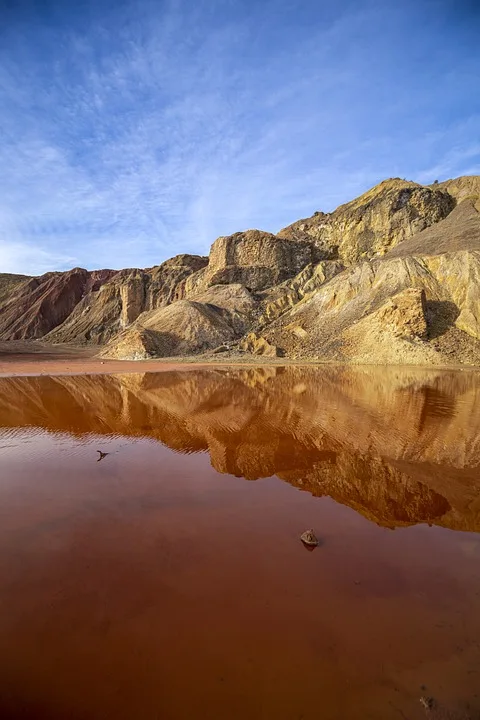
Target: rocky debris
x=375 y=222
x=257 y=345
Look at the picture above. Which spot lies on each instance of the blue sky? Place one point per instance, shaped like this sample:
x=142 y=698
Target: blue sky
x=133 y=130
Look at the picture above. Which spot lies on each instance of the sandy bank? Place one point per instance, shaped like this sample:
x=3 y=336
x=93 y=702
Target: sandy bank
x=23 y=358
x=31 y=358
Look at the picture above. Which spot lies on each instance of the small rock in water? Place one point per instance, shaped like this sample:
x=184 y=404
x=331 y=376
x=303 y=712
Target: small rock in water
x=435 y=711
x=427 y=702
x=309 y=538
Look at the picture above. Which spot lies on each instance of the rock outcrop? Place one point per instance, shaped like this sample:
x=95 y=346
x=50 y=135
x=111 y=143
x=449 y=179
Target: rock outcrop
x=375 y=222
x=391 y=277
x=255 y=259
x=443 y=261
x=328 y=316
x=463 y=188
x=282 y=297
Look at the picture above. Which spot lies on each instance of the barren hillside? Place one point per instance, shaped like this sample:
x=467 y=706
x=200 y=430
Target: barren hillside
x=391 y=277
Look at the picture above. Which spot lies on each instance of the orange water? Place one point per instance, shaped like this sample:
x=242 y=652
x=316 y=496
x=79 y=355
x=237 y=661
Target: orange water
x=159 y=583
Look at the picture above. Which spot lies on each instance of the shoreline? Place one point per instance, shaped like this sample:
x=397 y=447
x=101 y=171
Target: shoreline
x=20 y=359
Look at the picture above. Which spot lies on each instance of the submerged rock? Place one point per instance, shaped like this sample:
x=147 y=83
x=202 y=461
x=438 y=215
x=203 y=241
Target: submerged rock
x=435 y=711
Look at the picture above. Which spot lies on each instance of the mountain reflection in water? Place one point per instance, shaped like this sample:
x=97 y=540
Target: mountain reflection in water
x=399 y=446
x=158 y=583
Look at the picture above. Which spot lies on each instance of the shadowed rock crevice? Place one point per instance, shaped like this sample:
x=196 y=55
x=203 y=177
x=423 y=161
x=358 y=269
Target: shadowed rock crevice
x=441 y=315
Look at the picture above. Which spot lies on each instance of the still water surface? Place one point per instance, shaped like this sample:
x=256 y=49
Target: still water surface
x=167 y=579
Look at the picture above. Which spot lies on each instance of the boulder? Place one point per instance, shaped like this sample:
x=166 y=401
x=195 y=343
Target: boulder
x=255 y=259
x=405 y=314
x=393 y=334
x=257 y=345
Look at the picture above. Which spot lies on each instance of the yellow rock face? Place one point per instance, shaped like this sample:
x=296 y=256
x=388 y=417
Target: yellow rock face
x=463 y=188
x=375 y=222
x=256 y=259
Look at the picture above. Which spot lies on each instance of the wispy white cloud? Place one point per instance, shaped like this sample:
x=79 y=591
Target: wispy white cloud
x=151 y=128
x=28 y=259
x=458 y=159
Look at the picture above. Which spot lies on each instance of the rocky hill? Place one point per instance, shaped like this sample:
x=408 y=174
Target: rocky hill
x=391 y=277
